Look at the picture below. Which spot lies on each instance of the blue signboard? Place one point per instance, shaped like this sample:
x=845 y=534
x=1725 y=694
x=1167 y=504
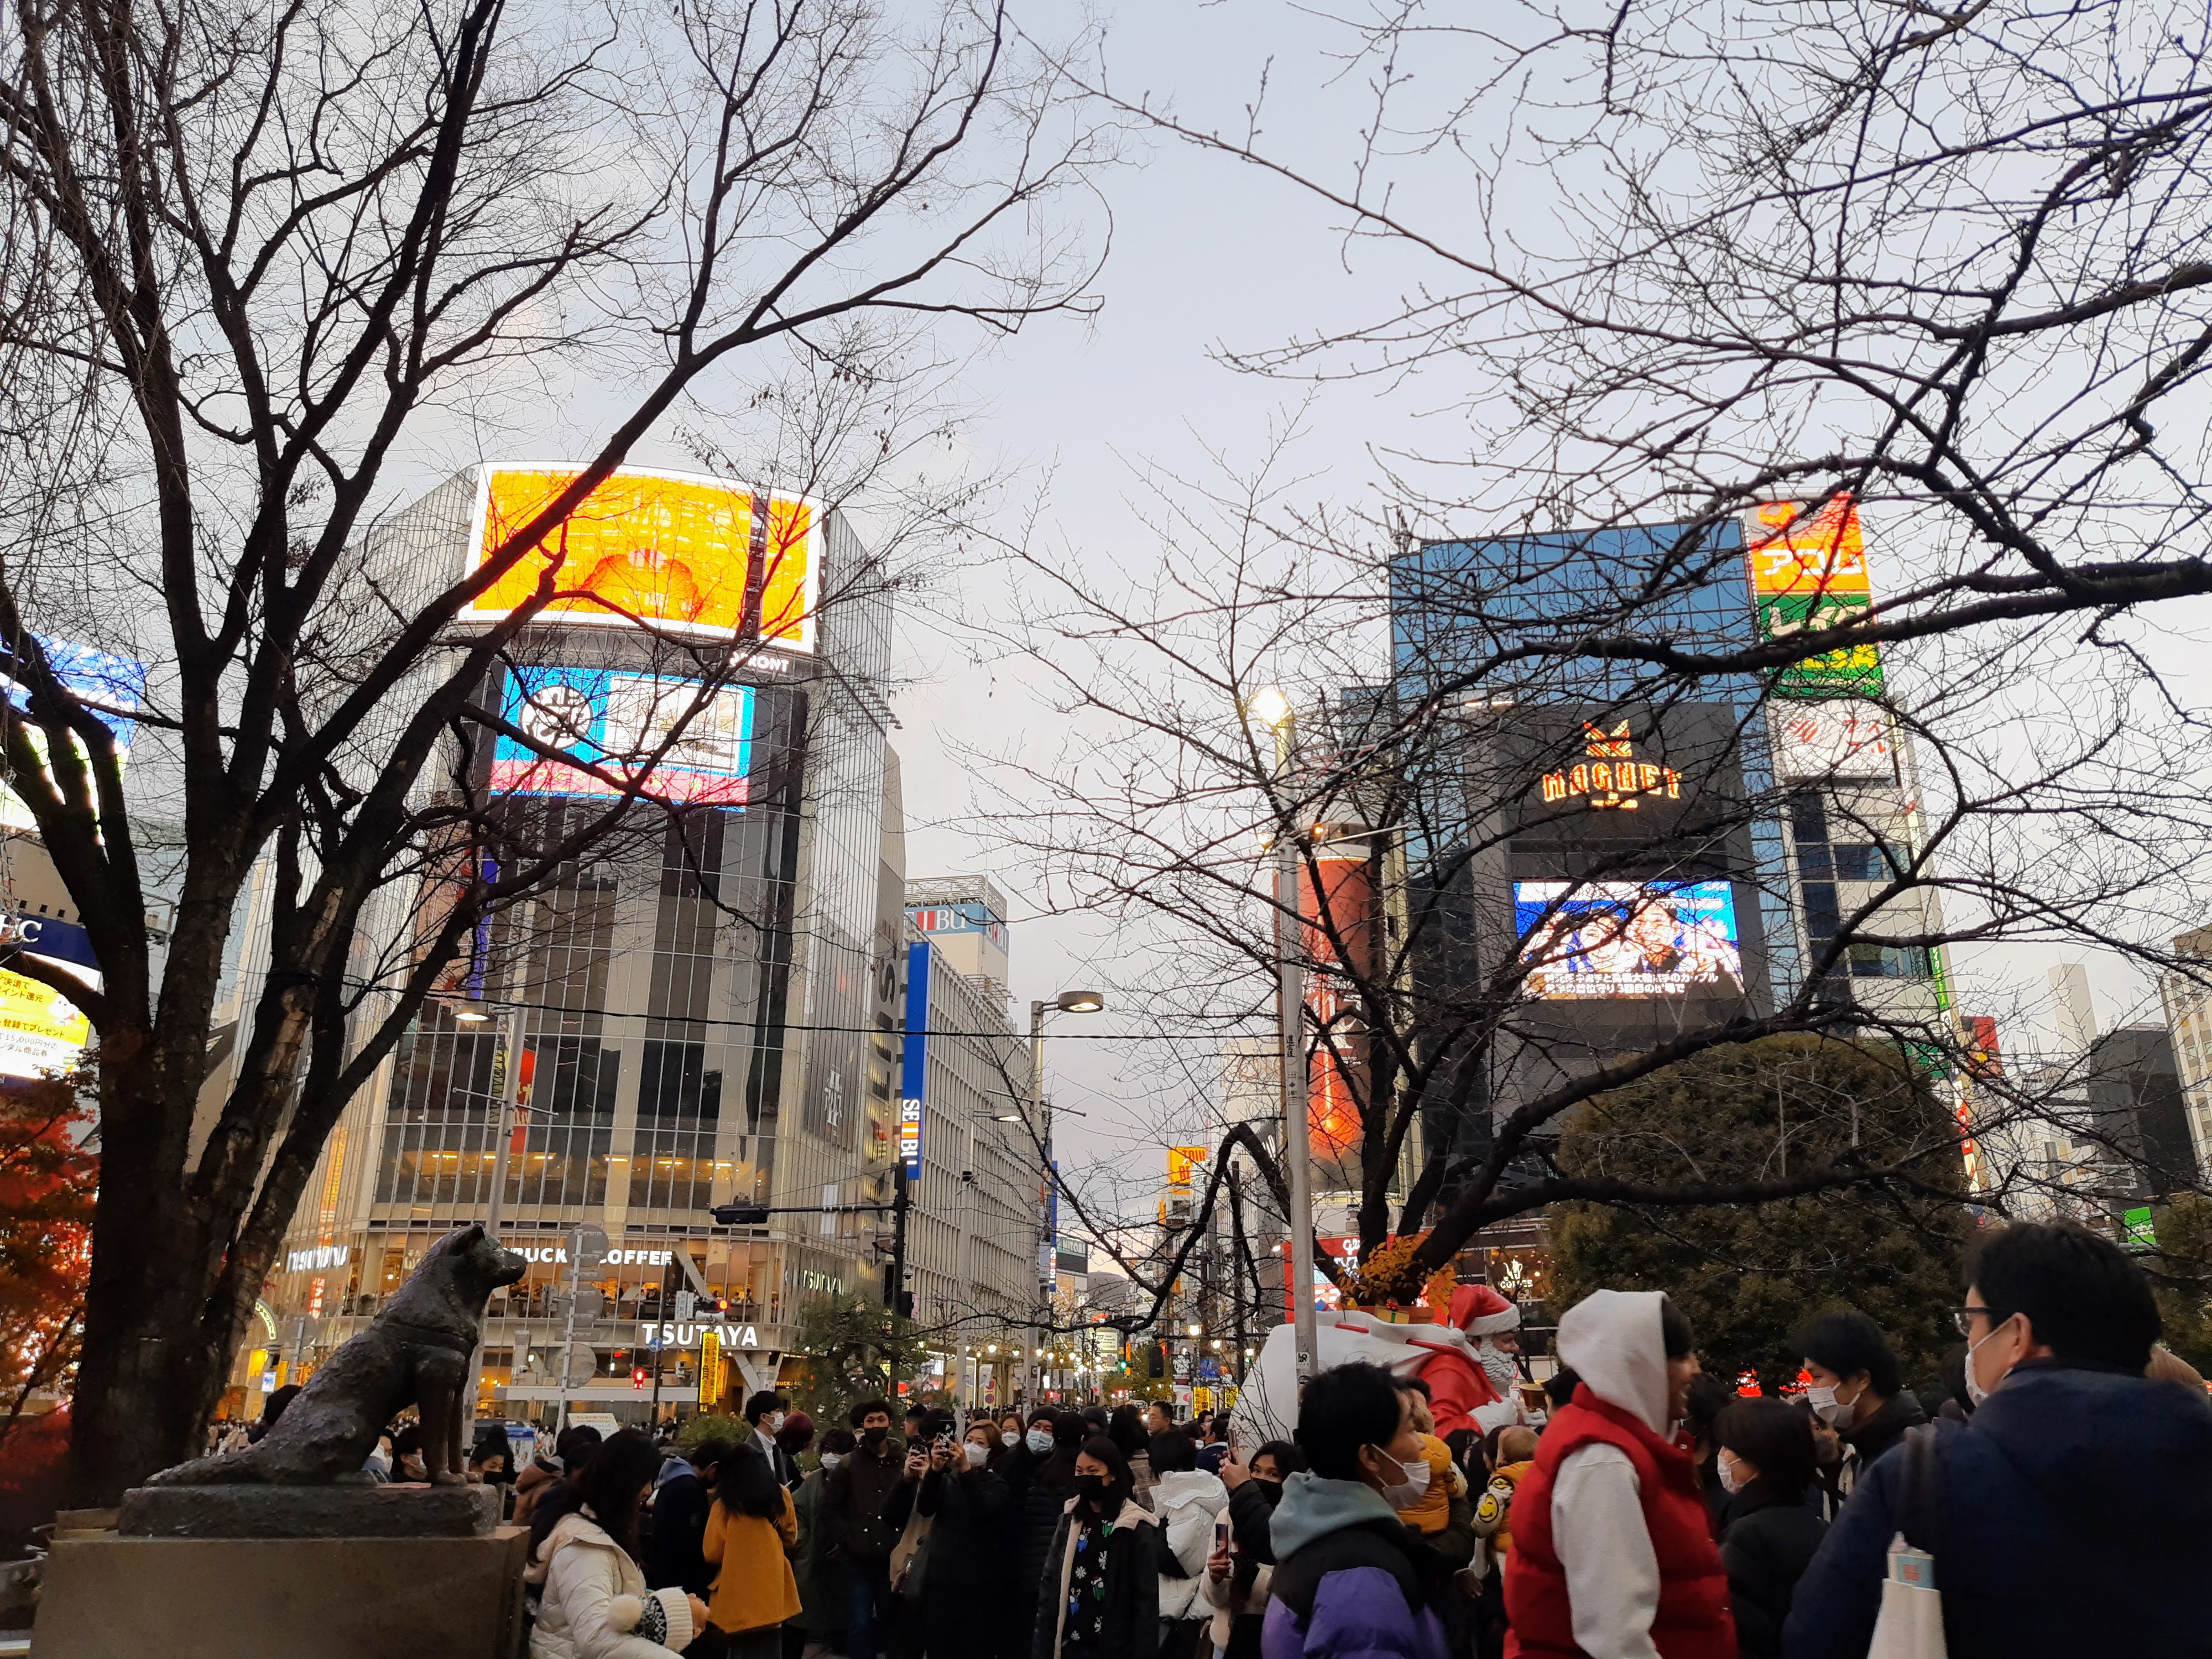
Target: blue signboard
x=914 y=1088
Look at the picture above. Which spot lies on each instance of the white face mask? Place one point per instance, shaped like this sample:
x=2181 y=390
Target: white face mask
x=1009 y=1440
x=1728 y=1482
x=831 y=1459
x=1835 y=1413
x=774 y=1421
x=1975 y=1391
x=1412 y=1488
x=1040 y=1441
x=977 y=1456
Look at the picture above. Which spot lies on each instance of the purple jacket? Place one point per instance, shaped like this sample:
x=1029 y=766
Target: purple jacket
x=1345 y=1586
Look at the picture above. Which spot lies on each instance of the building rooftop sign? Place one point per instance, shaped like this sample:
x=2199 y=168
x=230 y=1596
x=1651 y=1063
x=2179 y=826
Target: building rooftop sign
x=1612 y=776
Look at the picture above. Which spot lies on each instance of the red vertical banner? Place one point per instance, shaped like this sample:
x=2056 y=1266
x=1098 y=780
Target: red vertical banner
x=1342 y=925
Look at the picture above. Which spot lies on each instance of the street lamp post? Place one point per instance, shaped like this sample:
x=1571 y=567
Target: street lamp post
x=1273 y=709
x=1067 y=1002
x=510 y=1096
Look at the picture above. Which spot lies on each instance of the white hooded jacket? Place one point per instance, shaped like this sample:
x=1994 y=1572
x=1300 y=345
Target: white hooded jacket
x=1188 y=1502
x=1611 y=1340
x=596 y=1600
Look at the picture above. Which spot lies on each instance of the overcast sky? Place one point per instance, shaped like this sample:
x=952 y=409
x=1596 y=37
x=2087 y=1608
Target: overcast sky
x=1206 y=253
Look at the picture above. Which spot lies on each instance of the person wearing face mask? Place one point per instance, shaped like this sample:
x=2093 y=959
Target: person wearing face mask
x=765 y=1411
x=821 y=1622
x=1349 y=1578
x=1854 y=1390
x=1239 y=1577
x=1100 y=1597
x=2060 y=1326
x=972 y=1536
x=1612 y=1551
x=855 y=1541
x=1051 y=1478
x=1766 y=1459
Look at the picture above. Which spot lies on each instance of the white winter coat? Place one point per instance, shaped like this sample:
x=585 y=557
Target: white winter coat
x=595 y=1599
x=1186 y=1502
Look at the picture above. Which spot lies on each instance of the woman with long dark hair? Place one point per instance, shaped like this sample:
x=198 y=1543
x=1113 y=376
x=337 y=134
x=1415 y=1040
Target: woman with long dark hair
x=749 y=1529
x=1125 y=1429
x=1101 y=1597
x=596 y=1604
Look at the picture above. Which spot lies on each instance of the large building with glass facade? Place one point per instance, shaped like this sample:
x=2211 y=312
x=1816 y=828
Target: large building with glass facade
x=710 y=1008
x=1720 y=829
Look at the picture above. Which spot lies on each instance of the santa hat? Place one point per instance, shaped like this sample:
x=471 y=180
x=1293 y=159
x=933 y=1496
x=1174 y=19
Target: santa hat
x=1480 y=1311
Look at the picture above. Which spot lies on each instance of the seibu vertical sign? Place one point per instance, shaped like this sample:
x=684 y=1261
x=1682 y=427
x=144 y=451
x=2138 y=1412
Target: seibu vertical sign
x=914 y=1088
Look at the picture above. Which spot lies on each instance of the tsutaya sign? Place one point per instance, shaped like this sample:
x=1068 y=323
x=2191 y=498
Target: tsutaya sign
x=1612 y=776
x=323 y=1256
x=686 y=1335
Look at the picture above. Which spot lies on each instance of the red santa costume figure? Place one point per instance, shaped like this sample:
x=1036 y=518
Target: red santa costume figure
x=1477 y=1392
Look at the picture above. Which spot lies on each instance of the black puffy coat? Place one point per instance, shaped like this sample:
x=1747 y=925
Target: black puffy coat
x=1050 y=1483
x=1769 y=1540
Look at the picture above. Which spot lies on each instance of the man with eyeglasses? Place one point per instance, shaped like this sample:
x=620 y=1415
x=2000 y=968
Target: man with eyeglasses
x=2073 y=1515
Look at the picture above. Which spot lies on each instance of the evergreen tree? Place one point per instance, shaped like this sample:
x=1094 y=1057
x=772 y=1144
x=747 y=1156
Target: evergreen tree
x=855 y=1347
x=1746 y=1275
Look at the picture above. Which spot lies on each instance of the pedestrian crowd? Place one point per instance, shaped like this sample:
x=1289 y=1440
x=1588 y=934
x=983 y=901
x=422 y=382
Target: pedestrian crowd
x=2055 y=1497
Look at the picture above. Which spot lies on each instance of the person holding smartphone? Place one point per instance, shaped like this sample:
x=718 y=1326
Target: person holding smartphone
x=1189 y=1502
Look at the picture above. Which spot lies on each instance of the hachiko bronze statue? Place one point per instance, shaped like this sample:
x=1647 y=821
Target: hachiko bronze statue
x=416 y=1353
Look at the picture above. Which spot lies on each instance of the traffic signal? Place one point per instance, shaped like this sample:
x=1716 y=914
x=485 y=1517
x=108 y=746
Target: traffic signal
x=637 y=1377
x=739 y=1215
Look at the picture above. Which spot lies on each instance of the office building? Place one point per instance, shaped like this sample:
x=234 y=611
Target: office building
x=2187 y=1001
x=1662 y=853
x=710 y=1001
x=978 y=1201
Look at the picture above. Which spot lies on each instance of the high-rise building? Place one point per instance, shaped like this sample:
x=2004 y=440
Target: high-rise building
x=2188 y=1006
x=709 y=1003
x=978 y=1199
x=1718 y=832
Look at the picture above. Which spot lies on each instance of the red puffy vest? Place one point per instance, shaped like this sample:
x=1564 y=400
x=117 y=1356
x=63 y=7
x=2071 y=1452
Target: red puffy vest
x=1693 y=1620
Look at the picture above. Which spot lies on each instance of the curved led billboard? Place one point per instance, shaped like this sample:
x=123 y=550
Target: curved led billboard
x=665 y=550
x=1627 y=938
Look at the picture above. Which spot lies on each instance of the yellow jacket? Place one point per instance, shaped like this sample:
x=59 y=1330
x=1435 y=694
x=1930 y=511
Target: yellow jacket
x=753 y=1582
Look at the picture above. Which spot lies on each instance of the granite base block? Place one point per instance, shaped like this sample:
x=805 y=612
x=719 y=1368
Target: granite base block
x=256 y=1511
x=283 y=1598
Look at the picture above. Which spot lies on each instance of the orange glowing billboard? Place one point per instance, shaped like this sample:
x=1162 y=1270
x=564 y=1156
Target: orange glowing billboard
x=1341 y=906
x=1800 y=554
x=664 y=550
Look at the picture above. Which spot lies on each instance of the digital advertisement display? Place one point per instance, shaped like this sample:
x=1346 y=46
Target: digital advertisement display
x=1800 y=554
x=115 y=682
x=1627 y=938
x=41 y=1031
x=664 y=550
x=618 y=721
x=1808 y=572
x=1848 y=670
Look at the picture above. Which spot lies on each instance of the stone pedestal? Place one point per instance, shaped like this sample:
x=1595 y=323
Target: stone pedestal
x=283 y=1598
x=256 y=1511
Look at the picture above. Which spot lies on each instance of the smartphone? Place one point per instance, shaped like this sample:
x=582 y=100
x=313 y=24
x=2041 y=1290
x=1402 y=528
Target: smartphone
x=1220 y=1536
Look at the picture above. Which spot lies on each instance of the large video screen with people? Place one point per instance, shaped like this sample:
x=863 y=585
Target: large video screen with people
x=1627 y=938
